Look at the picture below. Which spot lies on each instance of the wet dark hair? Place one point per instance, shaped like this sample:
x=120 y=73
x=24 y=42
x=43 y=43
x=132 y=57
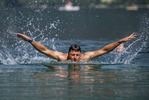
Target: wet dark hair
x=75 y=47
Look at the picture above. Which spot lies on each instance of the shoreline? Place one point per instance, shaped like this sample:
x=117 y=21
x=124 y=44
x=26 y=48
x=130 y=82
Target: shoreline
x=139 y=6
x=98 y=6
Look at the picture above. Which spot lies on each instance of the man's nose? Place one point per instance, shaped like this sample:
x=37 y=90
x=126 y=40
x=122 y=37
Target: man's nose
x=75 y=56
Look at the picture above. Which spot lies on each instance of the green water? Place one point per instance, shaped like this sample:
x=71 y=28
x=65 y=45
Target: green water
x=71 y=82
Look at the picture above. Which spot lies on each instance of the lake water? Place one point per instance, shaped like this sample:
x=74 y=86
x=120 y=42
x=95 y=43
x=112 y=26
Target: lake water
x=26 y=74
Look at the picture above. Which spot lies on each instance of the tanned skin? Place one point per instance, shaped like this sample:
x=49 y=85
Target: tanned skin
x=75 y=56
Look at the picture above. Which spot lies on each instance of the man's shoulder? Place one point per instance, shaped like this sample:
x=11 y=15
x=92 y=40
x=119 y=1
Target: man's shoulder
x=61 y=56
x=86 y=55
x=61 y=53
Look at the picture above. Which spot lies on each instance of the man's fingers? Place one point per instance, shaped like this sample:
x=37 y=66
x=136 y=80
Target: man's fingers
x=18 y=34
x=133 y=35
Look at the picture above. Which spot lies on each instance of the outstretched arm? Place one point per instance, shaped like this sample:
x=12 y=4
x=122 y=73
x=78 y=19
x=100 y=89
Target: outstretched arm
x=108 y=48
x=41 y=48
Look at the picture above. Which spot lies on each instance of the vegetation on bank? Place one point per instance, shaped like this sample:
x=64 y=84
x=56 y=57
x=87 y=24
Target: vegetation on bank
x=23 y=3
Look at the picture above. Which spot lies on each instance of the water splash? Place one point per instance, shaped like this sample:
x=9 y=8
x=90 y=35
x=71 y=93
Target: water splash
x=135 y=47
x=16 y=51
x=45 y=29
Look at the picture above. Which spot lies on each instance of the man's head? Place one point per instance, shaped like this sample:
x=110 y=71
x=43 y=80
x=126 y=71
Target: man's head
x=74 y=53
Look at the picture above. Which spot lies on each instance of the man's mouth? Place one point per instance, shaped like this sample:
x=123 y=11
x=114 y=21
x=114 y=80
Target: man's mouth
x=74 y=60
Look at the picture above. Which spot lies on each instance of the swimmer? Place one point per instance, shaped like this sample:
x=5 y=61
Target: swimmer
x=120 y=48
x=74 y=53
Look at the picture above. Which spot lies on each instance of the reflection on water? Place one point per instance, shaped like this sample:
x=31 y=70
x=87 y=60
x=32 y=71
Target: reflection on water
x=71 y=82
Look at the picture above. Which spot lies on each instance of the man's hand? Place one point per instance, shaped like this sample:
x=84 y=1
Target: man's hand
x=24 y=37
x=132 y=36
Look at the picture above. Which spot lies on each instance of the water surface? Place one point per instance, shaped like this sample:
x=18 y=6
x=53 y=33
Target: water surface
x=27 y=74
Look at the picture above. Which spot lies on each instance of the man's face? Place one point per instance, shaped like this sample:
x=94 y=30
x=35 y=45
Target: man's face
x=74 y=56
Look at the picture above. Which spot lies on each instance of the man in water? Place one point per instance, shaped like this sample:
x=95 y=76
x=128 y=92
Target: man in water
x=74 y=54
x=120 y=48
